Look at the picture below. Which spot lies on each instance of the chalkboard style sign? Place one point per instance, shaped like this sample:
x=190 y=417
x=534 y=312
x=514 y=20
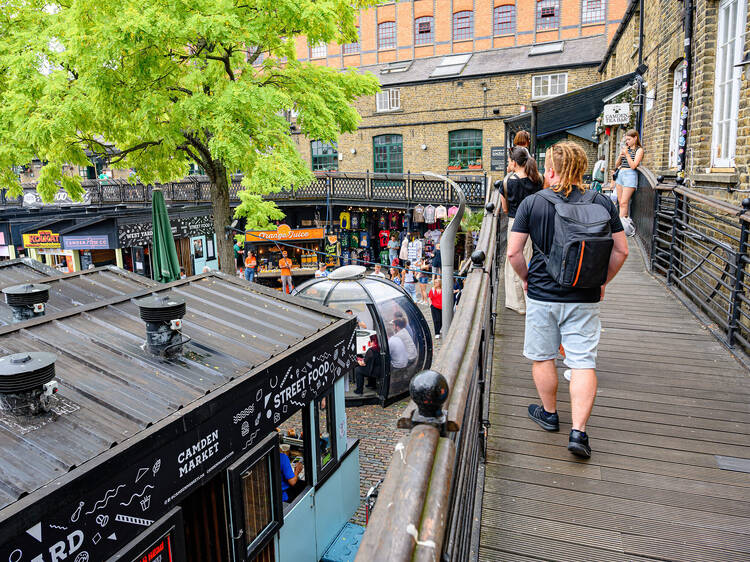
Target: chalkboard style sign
x=497 y=158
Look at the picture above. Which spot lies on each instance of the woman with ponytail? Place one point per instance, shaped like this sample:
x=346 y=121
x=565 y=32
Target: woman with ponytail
x=525 y=181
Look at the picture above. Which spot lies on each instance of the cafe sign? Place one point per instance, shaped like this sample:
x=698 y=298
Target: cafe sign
x=41 y=239
x=284 y=232
x=616 y=114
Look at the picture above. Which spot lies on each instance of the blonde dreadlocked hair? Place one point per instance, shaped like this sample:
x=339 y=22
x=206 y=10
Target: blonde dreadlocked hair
x=570 y=162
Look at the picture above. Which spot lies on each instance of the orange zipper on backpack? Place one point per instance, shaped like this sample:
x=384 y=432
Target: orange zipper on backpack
x=580 y=262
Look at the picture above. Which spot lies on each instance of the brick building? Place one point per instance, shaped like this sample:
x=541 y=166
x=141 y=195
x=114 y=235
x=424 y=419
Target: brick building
x=453 y=71
x=716 y=152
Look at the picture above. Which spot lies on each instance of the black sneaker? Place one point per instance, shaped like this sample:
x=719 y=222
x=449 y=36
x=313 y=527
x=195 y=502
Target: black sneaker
x=548 y=421
x=579 y=444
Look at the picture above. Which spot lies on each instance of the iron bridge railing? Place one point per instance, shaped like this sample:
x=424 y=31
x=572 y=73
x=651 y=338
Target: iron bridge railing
x=428 y=504
x=327 y=186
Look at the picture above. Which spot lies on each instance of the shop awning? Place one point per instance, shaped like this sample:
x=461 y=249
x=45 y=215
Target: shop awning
x=579 y=108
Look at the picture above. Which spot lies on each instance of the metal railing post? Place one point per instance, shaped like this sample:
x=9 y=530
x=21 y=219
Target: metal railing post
x=673 y=241
x=739 y=277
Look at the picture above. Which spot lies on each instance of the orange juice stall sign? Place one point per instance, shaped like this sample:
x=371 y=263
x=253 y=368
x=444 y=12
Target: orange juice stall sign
x=284 y=233
x=41 y=239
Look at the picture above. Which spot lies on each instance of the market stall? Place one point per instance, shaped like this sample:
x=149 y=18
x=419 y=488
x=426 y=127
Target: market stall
x=302 y=245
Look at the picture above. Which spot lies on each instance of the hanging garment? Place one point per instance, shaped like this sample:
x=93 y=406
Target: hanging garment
x=344 y=220
x=419 y=213
x=452 y=211
x=403 y=255
x=441 y=213
x=429 y=214
x=355 y=221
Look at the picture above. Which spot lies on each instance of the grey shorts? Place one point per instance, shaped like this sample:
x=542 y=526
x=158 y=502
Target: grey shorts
x=574 y=325
x=627 y=177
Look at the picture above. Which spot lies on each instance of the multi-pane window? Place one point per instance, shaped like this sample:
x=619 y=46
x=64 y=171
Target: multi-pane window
x=593 y=11
x=325 y=428
x=465 y=148
x=325 y=157
x=674 y=132
x=547 y=85
x=319 y=51
x=504 y=20
x=387 y=35
x=352 y=48
x=463 y=25
x=547 y=14
x=423 y=30
x=388 y=154
x=729 y=52
x=388 y=100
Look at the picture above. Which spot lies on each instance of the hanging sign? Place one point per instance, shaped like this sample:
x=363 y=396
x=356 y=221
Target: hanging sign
x=284 y=232
x=41 y=239
x=497 y=158
x=92 y=242
x=141 y=233
x=617 y=114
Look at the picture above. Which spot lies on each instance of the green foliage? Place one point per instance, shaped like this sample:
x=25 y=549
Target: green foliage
x=159 y=85
x=472 y=222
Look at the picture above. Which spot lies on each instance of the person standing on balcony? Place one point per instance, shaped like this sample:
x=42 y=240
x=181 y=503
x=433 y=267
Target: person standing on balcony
x=525 y=181
x=557 y=314
x=626 y=180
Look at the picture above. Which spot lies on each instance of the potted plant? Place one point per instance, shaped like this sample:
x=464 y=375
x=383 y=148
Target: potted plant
x=477 y=165
x=454 y=165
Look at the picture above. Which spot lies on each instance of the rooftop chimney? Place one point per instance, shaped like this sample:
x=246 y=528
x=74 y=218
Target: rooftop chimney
x=26 y=385
x=26 y=301
x=163 y=316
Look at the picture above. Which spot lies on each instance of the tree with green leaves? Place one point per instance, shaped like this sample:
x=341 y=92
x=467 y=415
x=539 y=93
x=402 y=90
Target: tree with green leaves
x=158 y=85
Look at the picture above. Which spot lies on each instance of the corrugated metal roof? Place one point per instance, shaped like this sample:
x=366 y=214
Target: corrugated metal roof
x=110 y=389
x=23 y=270
x=71 y=290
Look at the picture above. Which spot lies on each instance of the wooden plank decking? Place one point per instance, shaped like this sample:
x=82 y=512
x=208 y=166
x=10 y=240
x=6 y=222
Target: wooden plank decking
x=670 y=400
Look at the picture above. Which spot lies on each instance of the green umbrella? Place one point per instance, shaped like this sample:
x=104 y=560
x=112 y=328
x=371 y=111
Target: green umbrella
x=164 y=253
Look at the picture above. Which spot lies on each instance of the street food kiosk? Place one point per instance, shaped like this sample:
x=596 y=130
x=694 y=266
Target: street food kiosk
x=303 y=246
x=377 y=303
x=151 y=426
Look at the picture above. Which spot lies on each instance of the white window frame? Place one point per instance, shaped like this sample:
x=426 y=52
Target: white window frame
x=674 y=131
x=319 y=51
x=540 y=81
x=388 y=99
x=728 y=82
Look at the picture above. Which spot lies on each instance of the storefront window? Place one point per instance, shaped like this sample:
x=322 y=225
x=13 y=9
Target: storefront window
x=388 y=154
x=325 y=157
x=465 y=148
x=256 y=498
x=325 y=430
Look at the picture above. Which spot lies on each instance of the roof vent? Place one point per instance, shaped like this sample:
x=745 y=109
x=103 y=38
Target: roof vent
x=26 y=301
x=163 y=316
x=348 y=272
x=26 y=385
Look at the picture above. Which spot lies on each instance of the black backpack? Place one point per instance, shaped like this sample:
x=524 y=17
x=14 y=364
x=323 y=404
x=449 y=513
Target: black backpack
x=582 y=243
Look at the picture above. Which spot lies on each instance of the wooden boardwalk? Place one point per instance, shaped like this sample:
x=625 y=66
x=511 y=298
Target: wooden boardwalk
x=671 y=401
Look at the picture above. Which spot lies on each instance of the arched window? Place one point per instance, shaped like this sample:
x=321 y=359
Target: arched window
x=387 y=35
x=388 y=154
x=465 y=147
x=463 y=25
x=593 y=11
x=674 y=128
x=325 y=157
x=504 y=20
x=424 y=31
x=547 y=15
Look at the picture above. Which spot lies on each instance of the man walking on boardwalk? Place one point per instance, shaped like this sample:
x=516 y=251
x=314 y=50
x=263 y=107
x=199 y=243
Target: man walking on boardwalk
x=565 y=280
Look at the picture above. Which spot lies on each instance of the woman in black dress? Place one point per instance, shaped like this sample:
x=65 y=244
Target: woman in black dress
x=524 y=181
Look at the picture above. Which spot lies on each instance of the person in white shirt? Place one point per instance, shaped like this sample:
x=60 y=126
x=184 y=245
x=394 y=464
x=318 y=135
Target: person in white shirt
x=377 y=272
x=321 y=272
x=399 y=323
x=397 y=349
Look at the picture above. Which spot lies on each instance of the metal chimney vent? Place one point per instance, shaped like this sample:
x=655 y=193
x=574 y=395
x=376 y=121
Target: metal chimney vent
x=26 y=301
x=163 y=316
x=26 y=385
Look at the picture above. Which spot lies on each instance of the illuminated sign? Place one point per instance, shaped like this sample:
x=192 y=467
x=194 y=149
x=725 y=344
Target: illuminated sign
x=161 y=551
x=284 y=233
x=41 y=239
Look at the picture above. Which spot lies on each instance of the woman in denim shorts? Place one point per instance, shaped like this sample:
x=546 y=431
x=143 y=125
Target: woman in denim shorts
x=626 y=181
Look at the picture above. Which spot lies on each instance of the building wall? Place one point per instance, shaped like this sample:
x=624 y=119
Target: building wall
x=405 y=12
x=663 y=52
x=429 y=111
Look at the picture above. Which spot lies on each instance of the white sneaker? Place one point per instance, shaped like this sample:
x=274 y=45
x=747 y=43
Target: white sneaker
x=567 y=373
x=437 y=336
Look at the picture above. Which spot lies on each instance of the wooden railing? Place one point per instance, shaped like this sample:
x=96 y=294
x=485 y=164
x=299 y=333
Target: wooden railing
x=328 y=186
x=428 y=503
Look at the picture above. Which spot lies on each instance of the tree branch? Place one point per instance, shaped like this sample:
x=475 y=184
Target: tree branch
x=186 y=149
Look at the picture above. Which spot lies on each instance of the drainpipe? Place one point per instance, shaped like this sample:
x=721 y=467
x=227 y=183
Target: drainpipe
x=447 y=252
x=641 y=95
x=685 y=106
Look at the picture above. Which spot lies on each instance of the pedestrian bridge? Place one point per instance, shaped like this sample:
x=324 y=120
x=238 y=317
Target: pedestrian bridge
x=669 y=476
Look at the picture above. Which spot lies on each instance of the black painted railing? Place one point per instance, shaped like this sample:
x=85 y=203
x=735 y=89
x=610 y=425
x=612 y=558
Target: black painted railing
x=327 y=186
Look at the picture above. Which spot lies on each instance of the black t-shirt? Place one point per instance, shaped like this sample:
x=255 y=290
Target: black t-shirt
x=517 y=189
x=536 y=217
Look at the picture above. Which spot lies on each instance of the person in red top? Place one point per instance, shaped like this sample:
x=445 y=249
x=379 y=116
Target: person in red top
x=285 y=264
x=251 y=266
x=436 y=305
